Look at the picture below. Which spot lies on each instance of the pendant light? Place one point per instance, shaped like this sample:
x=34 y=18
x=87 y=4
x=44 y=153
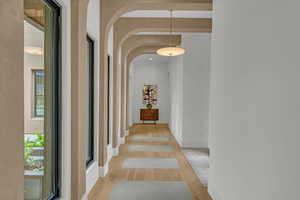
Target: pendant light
x=37 y=51
x=170 y=50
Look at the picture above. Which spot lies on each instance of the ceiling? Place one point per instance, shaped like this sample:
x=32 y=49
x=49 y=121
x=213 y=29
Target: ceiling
x=150 y=59
x=33 y=37
x=34 y=11
x=166 y=14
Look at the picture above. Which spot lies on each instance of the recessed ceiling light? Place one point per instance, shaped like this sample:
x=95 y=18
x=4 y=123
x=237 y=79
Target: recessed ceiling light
x=150 y=58
x=37 y=51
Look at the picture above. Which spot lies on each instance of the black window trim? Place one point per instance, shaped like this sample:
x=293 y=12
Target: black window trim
x=56 y=183
x=91 y=100
x=108 y=99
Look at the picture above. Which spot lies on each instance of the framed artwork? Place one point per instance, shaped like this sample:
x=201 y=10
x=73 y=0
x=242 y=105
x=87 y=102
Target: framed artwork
x=150 y=94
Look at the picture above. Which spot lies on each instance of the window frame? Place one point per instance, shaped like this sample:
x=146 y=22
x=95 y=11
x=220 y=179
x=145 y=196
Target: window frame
x=91 y=130
x=55 y=143
x=34 y=95
x=57 y=85
x=108 y=99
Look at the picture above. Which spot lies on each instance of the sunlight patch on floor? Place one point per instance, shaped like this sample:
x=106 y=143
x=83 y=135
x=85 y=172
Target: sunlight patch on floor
x=149 y=148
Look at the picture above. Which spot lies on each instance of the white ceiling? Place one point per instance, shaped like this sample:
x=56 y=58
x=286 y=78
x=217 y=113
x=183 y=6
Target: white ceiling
x=33 y=37
x=150 y=59
x=166 y=14
x=167 y=33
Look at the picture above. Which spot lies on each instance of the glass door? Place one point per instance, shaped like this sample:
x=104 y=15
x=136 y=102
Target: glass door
x=41 y=99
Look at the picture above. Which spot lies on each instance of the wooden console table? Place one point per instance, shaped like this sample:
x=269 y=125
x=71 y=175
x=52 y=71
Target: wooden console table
x=149 y=115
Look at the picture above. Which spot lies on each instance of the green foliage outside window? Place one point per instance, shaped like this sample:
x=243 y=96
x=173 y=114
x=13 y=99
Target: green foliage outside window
x=39 y=142
x=31 y=162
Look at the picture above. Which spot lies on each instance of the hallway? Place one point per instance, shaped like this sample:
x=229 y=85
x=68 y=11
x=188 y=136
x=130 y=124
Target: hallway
x=136 y=151
x=218 y=78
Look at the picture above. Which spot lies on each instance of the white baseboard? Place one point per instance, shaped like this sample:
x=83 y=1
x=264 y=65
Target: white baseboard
x=115 y=151
x=119 y=140
x=103 y=170
x=122 y=140
x=85 y=196
x=92 y=175
x=213 y=193
x=179 y=140
x=109 y=153
x=126 y=132
x=194 y=144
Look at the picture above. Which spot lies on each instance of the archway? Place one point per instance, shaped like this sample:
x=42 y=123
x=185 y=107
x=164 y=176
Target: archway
x=125 y=27
x=110 y=11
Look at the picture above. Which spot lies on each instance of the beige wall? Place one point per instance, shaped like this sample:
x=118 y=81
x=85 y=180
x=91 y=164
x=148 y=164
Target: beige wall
x=78 y=85
x=11 y=100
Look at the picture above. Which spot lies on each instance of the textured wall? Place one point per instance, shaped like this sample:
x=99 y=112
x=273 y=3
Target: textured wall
x=11 y=100
x=255 y=116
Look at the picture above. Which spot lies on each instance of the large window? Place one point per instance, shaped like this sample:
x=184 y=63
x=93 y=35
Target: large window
x=38 y=78
x=41 y=99
x=90 y=95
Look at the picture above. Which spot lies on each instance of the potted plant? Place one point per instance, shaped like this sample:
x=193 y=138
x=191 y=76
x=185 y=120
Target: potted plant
x=149 y=106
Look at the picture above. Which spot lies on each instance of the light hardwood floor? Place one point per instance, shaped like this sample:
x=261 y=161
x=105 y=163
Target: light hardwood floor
x=116 y=173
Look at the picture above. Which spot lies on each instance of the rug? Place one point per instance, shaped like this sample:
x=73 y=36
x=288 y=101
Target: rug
x=154 y=190
x=149 y=139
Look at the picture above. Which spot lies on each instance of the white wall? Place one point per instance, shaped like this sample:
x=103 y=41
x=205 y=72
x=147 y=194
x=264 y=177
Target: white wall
x=255 y=117
x=130 y=92
x=196 y=78
x=150 y=73
x=176 y=98
x=189 y=83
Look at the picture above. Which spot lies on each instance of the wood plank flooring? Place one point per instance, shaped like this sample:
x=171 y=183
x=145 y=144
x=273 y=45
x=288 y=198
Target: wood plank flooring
x=116 y=173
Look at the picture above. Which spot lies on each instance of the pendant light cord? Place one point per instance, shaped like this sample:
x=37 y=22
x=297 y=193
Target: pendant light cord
x=171 y=27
